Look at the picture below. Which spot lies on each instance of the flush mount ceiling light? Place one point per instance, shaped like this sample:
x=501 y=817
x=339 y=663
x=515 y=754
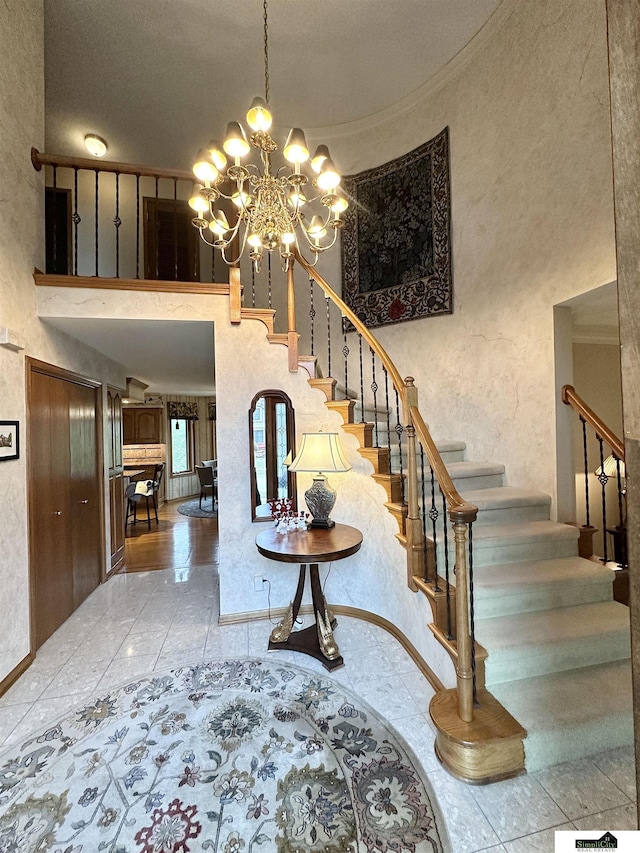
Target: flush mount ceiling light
x=267 y=207
x=95 y=145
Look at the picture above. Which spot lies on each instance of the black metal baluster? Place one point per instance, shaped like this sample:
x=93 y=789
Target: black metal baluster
x=361 y=380
x=399 y=431
x=76 y=220
x=445 y=518
x=117 y=222
x=622 y=521
x=424 y=516
x=345 y=353
x=328 y=301
x=472 y=616
x=55 y=219
x=269 y=283
x=137 y=226
x=602 y=477
x=312 y=313
x=374 y=388
x=586 y=471
x=386 y=404
x=97 y=264
x=433 y=515
x=175 y=229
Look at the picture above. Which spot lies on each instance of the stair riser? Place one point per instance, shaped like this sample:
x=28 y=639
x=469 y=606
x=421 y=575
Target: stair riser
x=545 y=749
x=482 y=481
x=517 y=552
x=446 y=455
x=541 y=598
x=512 y=515
x=521 y=663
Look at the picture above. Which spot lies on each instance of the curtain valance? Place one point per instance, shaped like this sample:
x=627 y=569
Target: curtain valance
x=188 y=411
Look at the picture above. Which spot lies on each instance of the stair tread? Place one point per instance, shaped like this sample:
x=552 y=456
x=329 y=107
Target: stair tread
x=505 y=496
x=526 y=531
x=541 y=629
x=568 y=699
x=512 y=578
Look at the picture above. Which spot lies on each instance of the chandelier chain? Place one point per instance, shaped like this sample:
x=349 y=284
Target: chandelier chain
x=266 y=54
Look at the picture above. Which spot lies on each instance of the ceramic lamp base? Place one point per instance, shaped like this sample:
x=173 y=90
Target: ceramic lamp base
x=320 y=499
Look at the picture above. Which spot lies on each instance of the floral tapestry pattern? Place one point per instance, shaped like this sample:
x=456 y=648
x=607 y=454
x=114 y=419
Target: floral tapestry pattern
x=396 y=239
x=226 y=756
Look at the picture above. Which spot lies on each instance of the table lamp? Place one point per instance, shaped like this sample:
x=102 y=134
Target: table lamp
x=320 y=453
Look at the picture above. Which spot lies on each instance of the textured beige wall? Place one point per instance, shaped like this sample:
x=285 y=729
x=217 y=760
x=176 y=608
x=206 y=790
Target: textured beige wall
x=532 y=226
x=21 y=248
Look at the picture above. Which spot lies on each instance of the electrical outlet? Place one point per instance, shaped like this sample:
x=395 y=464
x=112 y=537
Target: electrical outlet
x=258 y=583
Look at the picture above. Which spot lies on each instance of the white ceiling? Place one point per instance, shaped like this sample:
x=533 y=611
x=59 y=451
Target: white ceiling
x=171 y=357
x=159 y=78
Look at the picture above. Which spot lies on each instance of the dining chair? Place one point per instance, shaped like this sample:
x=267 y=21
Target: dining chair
x=208 y=480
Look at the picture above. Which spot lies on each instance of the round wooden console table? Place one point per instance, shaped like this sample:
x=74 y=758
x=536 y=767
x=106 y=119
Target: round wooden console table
x=309 y=548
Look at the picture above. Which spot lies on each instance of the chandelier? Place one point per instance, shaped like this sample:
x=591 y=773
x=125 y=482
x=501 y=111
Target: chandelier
x=267 y=206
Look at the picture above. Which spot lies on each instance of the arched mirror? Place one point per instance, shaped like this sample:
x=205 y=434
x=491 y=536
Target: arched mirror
x=271 y=437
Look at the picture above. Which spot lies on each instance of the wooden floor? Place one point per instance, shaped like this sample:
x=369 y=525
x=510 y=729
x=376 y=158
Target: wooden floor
x=175 y=541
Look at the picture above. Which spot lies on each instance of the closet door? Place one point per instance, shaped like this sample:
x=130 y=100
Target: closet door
x=85 y=484
x=65 y=497
x=50 y=505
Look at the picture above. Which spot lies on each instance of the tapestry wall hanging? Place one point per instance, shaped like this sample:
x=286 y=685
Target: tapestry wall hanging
x=396 y=239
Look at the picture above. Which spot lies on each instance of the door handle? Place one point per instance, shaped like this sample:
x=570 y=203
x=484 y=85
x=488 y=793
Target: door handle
x=57 y=513
x=85 y=501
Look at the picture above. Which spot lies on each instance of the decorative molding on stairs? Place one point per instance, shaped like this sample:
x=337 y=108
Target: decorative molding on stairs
x=265 y=315
x=485 y=750
x=325 y=384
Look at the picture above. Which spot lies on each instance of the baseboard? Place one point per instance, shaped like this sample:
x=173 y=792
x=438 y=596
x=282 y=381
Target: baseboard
x=15 y=673
x=354 y=612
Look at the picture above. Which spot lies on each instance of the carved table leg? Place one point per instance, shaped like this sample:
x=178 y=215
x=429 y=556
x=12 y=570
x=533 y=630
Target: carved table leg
x=283 y=629
x=328 y=645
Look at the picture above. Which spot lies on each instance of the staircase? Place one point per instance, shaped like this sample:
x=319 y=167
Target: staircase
x=557 y=645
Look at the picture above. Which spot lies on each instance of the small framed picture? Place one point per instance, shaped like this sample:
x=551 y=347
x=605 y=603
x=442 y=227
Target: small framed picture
x=9 y=440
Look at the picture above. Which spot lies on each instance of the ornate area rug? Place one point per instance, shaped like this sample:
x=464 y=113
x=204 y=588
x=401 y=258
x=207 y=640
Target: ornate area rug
x=192 y=509
x=236 y=756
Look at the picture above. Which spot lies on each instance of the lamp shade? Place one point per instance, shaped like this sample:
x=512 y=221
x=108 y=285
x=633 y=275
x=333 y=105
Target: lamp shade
x=320 y=452
x=611 y=467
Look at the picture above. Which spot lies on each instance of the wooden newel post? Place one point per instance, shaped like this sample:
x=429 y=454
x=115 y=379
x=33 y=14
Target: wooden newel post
x=292 y=335
x=235 y=295
x=464 y=668
x=413 y=525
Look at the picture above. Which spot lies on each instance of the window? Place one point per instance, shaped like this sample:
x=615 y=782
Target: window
x=272 y=436
x=181 y=432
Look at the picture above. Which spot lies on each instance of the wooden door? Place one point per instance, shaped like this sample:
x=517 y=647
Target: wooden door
x=85 y=492
x=52 y=594
x=65 y=495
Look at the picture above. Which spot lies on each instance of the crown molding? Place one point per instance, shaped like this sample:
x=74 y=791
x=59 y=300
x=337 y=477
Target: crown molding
x=401 y=107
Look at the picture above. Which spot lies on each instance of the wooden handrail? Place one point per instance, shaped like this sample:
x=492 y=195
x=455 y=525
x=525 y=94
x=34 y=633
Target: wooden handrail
x=570 y=398
x=39 y=160
x=459 y=509
x=358 y=325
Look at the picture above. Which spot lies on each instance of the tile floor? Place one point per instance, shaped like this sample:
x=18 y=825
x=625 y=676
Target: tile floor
x=139 y=622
